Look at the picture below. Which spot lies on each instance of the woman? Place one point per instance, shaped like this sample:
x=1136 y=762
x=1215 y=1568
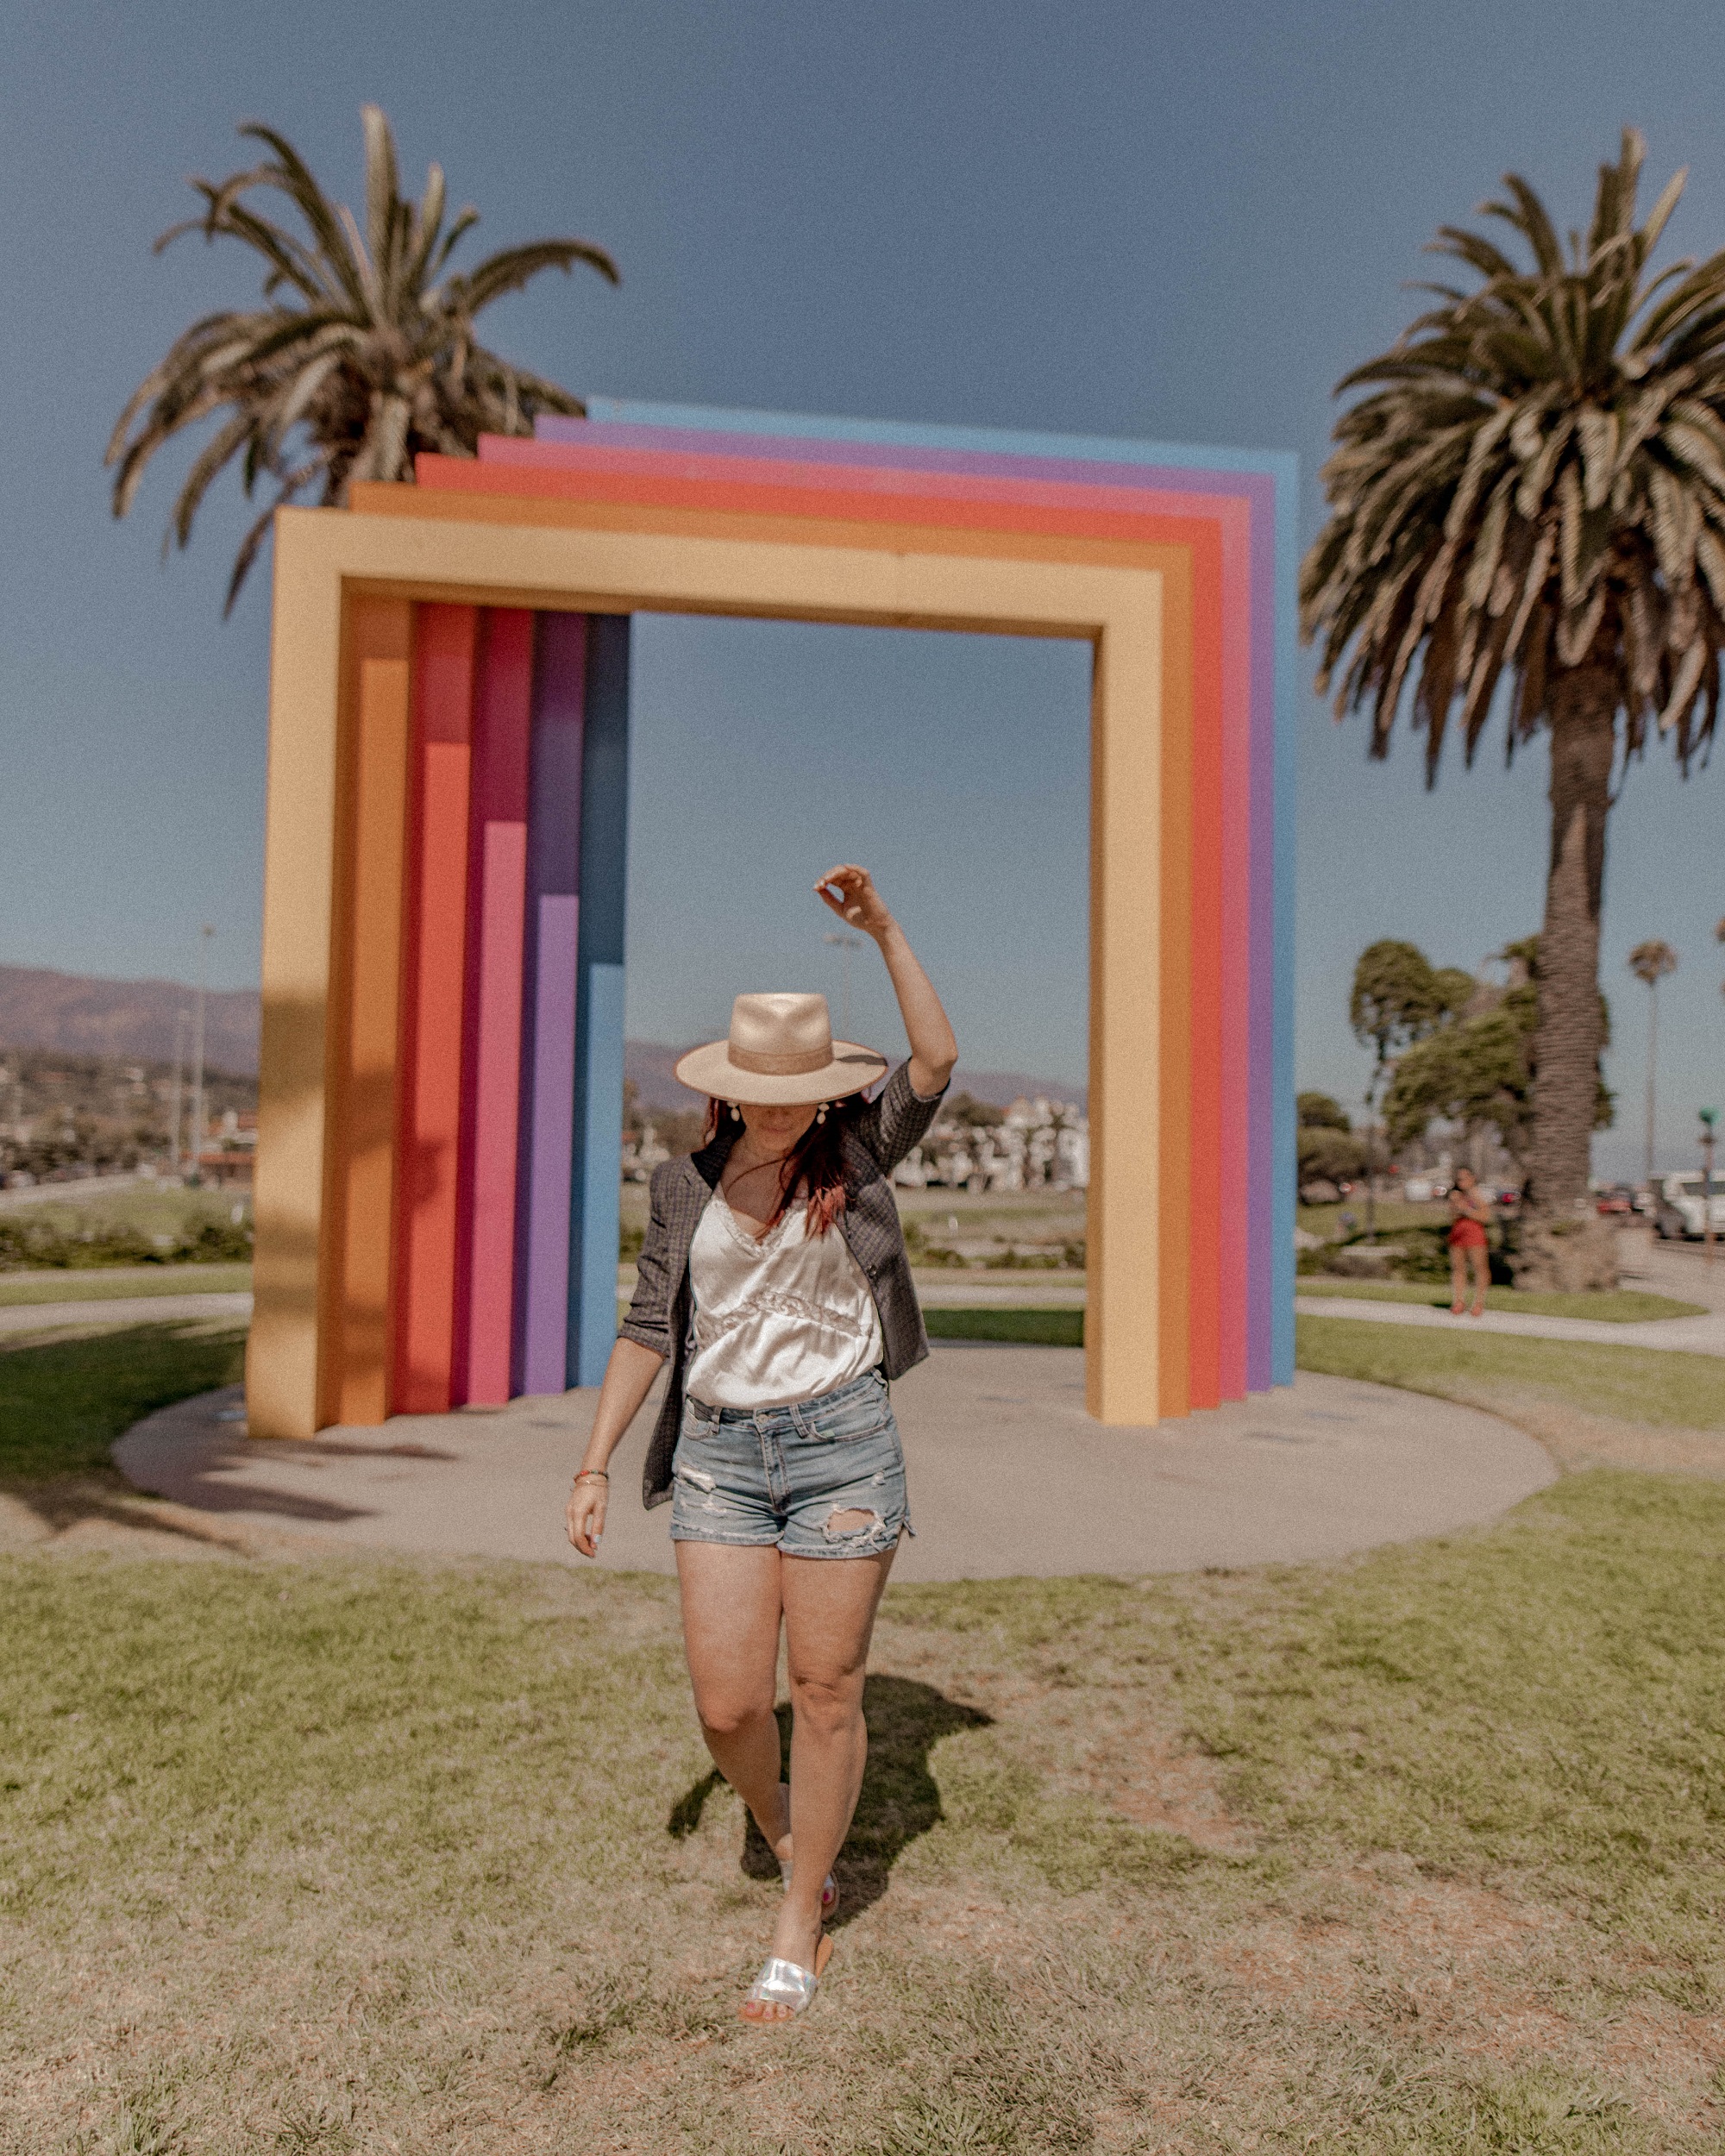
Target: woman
x=773 y=1280
x=1470 y=1210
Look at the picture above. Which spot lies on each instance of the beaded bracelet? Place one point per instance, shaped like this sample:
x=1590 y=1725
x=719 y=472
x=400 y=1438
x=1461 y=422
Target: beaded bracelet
x=592 y=1475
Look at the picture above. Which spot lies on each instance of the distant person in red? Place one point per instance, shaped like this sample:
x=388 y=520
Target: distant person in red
x=1470 y=1210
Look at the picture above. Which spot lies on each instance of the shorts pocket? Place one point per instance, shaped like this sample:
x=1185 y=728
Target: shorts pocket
x=869 y=1416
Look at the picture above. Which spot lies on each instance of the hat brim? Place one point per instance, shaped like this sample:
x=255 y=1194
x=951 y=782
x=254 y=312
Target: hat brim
x=709 y=1070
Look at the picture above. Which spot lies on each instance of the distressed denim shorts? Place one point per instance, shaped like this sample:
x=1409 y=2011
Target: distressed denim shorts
x=776 y=1475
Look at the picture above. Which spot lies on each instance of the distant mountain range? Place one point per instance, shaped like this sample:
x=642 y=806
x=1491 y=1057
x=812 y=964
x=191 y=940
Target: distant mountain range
x=77 y=1015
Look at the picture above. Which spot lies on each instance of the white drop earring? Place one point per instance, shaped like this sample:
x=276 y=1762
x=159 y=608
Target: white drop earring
x=736 y=1112
x=820 y=1112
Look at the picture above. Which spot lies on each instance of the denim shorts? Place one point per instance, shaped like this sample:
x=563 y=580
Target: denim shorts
x=776 y=1475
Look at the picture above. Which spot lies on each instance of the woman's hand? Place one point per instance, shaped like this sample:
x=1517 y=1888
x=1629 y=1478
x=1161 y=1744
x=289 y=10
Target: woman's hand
x=849 y=891
x=585 y=1514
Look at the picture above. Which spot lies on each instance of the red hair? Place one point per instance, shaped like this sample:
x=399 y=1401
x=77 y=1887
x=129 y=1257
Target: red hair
x=815 y=1165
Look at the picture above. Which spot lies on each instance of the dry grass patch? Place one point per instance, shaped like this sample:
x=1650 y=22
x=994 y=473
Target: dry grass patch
x=1420 y=1852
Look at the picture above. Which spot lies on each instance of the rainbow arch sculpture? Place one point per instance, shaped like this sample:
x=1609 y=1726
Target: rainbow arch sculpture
x=442 y=1076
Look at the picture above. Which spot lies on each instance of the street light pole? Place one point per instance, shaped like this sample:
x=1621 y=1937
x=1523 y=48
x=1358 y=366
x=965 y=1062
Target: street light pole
x=1709 y=1117
x=181 y=1019
x=204 y=934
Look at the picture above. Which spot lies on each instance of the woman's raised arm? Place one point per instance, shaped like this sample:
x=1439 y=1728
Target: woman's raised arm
x=849 y=892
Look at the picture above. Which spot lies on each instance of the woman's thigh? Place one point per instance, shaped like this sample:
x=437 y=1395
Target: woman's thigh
x=731 y=1607
x=830 y=1605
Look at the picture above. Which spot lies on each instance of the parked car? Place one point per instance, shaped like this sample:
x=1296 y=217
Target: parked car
x=1681 y=1212
x=1616 y=1198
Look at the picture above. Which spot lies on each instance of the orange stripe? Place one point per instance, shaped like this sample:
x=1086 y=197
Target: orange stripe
x=355 y=1280
x=1205 y=1031
x=1186 y=548
x=431 y=1010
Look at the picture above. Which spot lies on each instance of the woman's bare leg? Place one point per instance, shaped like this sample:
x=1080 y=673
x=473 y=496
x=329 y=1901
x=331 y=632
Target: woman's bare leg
x=830 y=1605
x=731 y=1608
x=1479 y=1264
x=1458 y=1279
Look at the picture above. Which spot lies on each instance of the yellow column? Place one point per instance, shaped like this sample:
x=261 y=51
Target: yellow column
x=1122 y=1358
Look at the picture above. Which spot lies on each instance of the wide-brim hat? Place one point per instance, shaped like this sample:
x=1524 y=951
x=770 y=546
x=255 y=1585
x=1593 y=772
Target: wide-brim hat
x=780 y=1053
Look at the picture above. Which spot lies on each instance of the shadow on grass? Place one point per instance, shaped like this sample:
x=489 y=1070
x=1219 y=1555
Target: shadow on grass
x=64 y=1401
x=900 y=1799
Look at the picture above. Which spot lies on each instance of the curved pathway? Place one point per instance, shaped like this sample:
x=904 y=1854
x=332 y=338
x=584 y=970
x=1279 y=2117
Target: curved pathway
x=1692 y=1335
x=1008 y=1475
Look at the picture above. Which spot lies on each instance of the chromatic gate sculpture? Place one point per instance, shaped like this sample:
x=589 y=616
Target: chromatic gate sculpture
x=443 y=1046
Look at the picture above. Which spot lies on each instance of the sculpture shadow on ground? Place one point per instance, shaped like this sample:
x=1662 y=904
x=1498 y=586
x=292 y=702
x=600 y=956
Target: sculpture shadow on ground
x=899 y=1798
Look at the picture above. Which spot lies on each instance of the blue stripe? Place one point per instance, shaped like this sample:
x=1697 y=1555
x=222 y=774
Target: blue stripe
x=600 y=1135
x=598 y=1000
x=895 y=434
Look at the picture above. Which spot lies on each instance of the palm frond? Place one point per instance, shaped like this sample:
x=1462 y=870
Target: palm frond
x=359 y=355
x=1533 y=476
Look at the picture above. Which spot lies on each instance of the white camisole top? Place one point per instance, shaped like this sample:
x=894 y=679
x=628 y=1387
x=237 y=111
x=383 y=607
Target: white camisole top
x=782 y=1318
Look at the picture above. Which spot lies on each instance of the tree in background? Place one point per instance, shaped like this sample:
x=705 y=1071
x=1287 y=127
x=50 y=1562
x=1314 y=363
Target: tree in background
x=1650 y=962
x=1395 y=999
x=1478 y=1070
x=974 y=1114
x=1329 y=1148
x=1536 y=483
x=363 y=354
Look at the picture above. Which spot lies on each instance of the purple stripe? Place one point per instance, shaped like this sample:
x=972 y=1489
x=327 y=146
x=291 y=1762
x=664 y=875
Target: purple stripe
x=546 y=1303
x=544 y=1152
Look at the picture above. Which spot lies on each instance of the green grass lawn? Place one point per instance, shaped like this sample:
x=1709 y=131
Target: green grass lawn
x=63 y=1402
x=1393 y=1215
x=1637 y=1385
x=1417 y=1856
x=151 y=1207
x=1616 y=1306
x=1027 y=1328
x=118 y=1281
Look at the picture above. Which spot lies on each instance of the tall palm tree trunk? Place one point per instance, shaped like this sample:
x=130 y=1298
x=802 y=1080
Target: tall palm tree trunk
x=1584 y=703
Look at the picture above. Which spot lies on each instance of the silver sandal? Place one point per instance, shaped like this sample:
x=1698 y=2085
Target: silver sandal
x=785 y=1983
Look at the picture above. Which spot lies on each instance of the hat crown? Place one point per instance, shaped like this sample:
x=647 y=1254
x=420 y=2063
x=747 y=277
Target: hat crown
x=780 y=1034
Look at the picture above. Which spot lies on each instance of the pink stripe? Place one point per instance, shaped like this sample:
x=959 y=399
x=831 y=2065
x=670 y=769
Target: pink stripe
x=497 y=1099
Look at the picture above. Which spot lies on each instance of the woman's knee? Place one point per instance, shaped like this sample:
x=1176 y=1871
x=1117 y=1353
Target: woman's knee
x=827 y=1702
x=727 y=1713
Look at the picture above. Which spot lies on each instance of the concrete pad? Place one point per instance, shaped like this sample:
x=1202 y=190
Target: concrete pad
x=1008 y=1475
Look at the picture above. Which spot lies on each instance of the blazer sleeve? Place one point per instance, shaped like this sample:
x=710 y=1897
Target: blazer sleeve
x=899 y=1120
x=649 y=1320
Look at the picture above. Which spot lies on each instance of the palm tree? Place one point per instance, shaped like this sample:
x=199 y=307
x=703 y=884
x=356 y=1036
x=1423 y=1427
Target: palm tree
x=1650 y=962
x=362 y=354
x=1537 y=483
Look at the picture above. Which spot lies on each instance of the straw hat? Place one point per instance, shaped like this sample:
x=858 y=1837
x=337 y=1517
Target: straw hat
x=781 y=1054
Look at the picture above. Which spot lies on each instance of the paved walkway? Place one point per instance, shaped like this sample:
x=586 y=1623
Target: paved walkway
x=115 y=1310
x=1676 y=1270
x=1008 y=1475
x=1695 y=1336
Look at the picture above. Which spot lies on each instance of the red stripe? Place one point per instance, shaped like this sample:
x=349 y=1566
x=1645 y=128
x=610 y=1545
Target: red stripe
x=433 y=963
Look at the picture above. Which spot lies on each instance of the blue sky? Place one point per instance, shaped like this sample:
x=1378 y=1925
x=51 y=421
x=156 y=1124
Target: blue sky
x=1143 y=220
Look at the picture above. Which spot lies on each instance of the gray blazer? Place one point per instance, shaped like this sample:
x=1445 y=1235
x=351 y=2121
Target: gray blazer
x=658 y=1317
